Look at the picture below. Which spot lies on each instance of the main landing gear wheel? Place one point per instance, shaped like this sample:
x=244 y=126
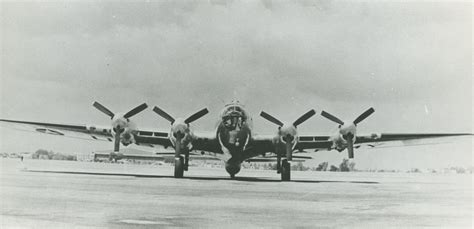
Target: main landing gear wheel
x=285 y=170
x=178 y=167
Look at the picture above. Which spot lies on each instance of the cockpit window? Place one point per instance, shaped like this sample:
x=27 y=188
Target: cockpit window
x=233 y=118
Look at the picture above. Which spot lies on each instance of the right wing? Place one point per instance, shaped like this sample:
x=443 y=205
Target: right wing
x=91 y=132
x=148 y=138
x=88 y=132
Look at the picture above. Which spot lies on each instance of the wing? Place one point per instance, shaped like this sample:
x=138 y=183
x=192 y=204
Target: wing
x=149 y=157
x=373 y=140
x=150 y=138
x=88 y=132
x=260 y=144
x=206 y=142
x=273 y=158
x=389 y=137
x=314 y=142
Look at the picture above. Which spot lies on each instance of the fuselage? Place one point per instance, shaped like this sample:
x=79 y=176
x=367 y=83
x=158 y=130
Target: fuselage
x=234 y=134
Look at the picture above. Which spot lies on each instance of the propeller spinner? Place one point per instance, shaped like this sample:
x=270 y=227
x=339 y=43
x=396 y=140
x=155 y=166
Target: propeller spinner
x=348 y=129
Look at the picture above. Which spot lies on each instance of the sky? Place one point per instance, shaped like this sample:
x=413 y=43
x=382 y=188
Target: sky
x=411 y=61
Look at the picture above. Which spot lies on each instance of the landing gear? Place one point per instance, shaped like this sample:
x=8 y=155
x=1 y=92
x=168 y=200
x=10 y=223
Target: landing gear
x=285 y=170
x=232 y=176
x=186 y=160
x=113 y=157
x=178 y=167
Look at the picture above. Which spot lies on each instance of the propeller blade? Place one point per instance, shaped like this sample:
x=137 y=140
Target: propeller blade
x=271 y=118
x=364 y=115
x=135 y=110
x=117 y=143
x=304 y=117
x=163 y=114
x=196 y=116
x=289 y=151
x=332 y=117
x=278 y=155
x=177 y=147
x=350 y=148
x=104 y=110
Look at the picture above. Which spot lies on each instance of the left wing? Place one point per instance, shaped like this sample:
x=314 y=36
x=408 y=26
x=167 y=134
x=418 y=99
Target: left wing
x=327 y=142
x=262 y=144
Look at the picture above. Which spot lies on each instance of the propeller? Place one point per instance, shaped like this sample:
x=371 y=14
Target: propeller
x=287 y=133
x=163 y=114
x=364 y=115
x=332 y=117
x=296 y=123
x=135 y=110
x=119 y=123
x=270 y=118
x=304 y=117
x=188 y=120
x=196 y=116
x=104 y=109
x=180 y=126
x=348 y=130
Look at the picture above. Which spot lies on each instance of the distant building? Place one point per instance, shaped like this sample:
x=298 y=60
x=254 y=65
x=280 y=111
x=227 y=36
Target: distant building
x=85 y=157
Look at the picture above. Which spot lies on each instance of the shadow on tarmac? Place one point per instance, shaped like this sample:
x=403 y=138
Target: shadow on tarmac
x=248 y=179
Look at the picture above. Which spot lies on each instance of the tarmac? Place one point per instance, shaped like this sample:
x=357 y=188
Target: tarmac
x=61 y=194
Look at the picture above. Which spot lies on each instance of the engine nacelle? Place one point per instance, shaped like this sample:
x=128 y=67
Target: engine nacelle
x=288 y=133
x=127 y=137
x=339 y=143
x=181 y=130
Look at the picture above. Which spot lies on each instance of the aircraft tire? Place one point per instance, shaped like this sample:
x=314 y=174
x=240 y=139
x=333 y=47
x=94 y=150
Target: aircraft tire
x=285 y=170
x=178 y=167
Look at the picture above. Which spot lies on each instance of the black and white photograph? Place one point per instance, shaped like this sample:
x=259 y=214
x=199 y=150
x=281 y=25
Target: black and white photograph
x=236 y=114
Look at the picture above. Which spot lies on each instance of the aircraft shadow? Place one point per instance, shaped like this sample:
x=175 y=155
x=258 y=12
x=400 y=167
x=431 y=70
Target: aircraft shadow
x=248 y=179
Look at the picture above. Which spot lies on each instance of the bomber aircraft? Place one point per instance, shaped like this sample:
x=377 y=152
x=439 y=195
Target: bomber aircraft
x=233 y=140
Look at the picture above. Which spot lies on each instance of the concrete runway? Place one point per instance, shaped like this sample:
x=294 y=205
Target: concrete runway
x=59 y=194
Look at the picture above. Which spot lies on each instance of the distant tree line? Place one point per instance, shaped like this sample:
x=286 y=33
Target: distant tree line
x=50 y=155
x=345 y=166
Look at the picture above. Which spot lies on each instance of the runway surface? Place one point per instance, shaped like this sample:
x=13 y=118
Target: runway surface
x=60 y=194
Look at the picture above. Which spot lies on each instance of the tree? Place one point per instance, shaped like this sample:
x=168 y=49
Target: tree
x=323 y=166
x=40 y=154
x=298 y=167
x=352 y=166
x=344 y=166
x=333 y=168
